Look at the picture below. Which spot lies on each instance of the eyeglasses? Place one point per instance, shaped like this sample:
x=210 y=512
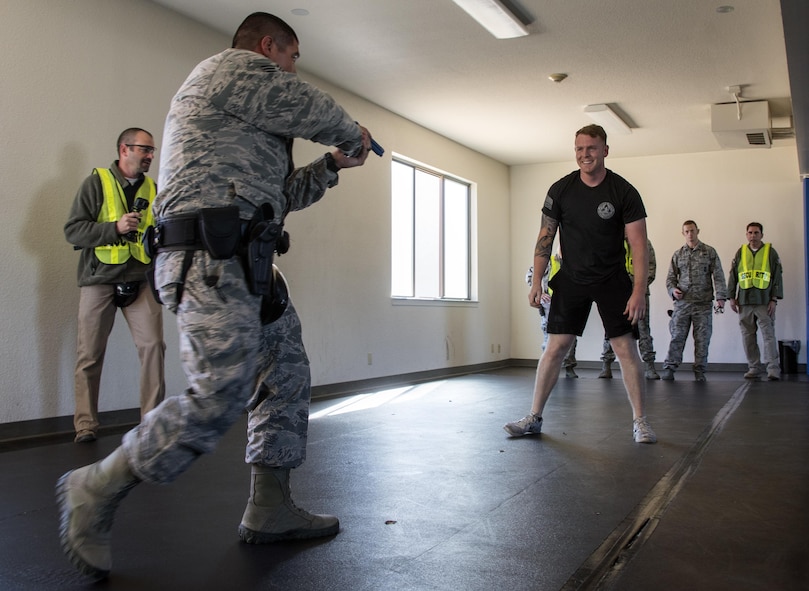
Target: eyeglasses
x=144 y=149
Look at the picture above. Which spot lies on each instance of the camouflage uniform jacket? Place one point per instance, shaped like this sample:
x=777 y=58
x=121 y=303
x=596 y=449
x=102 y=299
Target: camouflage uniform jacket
x=696 y=272
x=227 y=139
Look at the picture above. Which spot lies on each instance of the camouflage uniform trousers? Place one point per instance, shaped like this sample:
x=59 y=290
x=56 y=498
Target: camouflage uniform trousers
x=749 y=316
x=684 y=316
x=232 y=363
x=645 y=342
x=570 y=358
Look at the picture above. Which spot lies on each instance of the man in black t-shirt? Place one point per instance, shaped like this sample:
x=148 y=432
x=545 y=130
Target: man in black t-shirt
x=592 y=207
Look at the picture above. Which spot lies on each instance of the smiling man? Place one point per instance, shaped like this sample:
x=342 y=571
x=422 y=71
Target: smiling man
x=592 y=208
x=106 y=226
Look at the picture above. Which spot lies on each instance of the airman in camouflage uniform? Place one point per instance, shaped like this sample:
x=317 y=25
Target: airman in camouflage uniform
x=227 y=142
x=695 y=272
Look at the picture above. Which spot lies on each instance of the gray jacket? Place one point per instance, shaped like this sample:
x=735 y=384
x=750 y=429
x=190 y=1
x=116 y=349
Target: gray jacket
x=83 y=230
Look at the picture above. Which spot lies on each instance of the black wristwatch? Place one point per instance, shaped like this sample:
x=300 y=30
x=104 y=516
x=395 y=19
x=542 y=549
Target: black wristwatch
x=331 y=164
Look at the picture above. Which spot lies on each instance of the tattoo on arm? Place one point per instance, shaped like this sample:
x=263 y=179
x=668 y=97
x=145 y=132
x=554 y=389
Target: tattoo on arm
x=546 y=237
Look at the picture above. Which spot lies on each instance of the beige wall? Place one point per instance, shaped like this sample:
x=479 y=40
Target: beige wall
x=722 y=191
x=72 y=80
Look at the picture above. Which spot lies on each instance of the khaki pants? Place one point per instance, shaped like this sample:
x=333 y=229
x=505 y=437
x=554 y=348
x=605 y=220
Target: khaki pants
x=750 y=318
x=96 y=317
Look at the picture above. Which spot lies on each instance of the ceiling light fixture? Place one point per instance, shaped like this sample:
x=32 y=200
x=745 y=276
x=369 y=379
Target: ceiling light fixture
x=608 y=119
x=495 y=17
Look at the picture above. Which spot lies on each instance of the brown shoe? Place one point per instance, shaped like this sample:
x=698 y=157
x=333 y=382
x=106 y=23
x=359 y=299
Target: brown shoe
x=85 y=436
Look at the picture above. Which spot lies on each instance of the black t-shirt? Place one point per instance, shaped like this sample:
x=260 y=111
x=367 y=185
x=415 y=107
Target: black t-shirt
x=591 y=224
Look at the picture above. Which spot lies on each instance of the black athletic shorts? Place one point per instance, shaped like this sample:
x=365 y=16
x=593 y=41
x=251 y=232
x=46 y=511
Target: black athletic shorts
x=571 y=303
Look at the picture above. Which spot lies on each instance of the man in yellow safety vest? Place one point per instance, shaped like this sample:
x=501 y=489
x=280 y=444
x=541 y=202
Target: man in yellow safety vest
x=111 y=211
x=755 y=284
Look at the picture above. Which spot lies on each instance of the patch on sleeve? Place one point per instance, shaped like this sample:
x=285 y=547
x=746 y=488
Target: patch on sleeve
x=548 y=202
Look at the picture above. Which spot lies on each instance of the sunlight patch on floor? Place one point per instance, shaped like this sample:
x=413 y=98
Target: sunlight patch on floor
x=377 y=399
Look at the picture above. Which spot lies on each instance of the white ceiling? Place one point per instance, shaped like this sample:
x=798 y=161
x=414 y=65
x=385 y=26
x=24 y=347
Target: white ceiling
x=661 y=62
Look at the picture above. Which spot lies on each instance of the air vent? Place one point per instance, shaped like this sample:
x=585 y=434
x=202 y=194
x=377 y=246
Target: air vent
x=742 y=125
x=757 y=139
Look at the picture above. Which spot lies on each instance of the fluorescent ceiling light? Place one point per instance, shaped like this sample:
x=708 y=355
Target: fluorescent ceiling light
x=608 y=119
x=495 y=17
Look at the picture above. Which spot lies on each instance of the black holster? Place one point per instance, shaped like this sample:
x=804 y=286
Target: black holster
x=263 y=234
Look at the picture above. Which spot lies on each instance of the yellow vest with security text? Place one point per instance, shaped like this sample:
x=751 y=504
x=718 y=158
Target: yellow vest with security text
x=754 y=270
x=113 y=209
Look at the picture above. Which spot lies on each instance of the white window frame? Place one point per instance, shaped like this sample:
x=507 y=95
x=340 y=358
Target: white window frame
x=430 y=280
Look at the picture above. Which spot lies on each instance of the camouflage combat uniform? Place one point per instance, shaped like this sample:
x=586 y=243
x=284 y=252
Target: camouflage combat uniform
x=696 y=272
x=227 y=142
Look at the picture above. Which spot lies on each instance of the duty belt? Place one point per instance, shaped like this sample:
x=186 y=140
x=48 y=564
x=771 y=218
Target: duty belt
x=181 y=232
x=178 y=233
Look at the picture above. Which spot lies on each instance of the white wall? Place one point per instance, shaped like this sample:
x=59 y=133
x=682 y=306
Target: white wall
x=74 y=74
x=339 y=264
x=73 y=78
x=722 y=191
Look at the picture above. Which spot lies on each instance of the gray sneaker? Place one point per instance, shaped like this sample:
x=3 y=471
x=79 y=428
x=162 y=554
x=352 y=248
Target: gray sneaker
x=642 y=431
x=529 y=424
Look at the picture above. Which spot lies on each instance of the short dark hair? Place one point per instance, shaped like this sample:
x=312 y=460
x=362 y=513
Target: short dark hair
x=259 y=25
x=690 y=223
x=757 y=225
x=128 y=136
x=593 y=130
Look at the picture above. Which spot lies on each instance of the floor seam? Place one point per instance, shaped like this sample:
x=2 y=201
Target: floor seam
x=603 y=567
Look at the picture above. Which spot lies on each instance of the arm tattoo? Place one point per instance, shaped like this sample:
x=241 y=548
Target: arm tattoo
x=546 y=237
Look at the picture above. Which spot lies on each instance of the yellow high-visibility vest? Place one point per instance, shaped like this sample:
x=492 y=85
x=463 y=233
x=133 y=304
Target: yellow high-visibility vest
x=556 y=264
x=629 y=268
x=754 y=270
x=113 y=209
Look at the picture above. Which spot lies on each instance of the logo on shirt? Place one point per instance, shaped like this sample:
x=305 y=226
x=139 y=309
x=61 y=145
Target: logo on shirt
x=606 y=210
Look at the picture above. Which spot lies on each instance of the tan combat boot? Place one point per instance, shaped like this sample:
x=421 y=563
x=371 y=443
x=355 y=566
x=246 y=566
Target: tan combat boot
x=87 y=499
x=271 y=514
x=651 y=373
x=606 y=370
